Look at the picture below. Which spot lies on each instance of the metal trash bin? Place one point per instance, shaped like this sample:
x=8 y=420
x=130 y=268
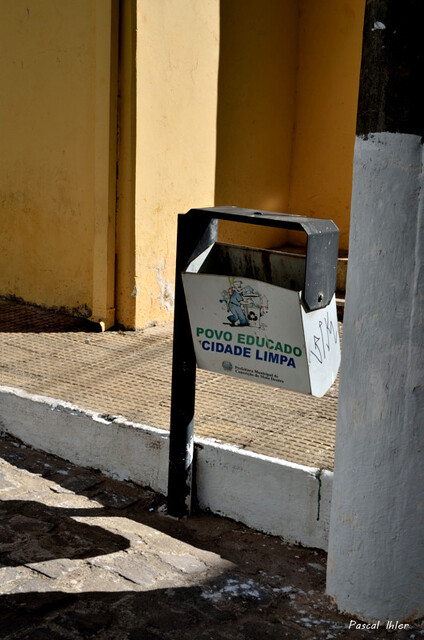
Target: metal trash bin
x=248 y=319
x=255 y=314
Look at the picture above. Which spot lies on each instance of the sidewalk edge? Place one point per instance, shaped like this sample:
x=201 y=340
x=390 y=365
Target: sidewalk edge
x=267 y=494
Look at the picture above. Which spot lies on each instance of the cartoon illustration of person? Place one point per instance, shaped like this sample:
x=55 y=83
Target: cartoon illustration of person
x=246 y=305
x=236 y=296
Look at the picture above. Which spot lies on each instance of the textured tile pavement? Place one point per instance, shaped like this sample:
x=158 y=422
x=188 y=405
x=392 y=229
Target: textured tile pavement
x=128 y=373
x=85 y=556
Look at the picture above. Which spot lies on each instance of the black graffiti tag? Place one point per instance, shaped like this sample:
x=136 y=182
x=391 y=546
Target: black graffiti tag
x=327 y=336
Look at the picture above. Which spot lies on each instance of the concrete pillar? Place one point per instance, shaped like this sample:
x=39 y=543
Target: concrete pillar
x=376 y=546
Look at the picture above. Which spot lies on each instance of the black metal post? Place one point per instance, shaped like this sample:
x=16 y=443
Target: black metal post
x=194 y=233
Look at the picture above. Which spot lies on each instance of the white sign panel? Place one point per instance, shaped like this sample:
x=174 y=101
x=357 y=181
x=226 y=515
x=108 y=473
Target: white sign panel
x=258 y=331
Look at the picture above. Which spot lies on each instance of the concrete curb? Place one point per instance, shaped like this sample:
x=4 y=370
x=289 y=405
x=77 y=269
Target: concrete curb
x=266 y=494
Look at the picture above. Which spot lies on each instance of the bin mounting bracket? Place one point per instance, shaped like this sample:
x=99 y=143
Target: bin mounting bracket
x=321 y=248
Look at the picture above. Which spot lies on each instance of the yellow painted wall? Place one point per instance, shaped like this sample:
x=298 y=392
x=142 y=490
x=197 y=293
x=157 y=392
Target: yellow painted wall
x=288 y=86
x=56 y=111
x=329 y=58
x=220 y=102
x=176 y=95
x=256 y=111
x=125 y=275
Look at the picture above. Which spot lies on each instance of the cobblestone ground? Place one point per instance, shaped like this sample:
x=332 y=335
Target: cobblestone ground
x=84 y=556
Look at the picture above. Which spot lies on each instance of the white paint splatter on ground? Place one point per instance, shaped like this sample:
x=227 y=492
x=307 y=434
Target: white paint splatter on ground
x=234 y=589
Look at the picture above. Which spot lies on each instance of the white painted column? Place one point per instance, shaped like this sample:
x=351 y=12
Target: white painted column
x=376 y=545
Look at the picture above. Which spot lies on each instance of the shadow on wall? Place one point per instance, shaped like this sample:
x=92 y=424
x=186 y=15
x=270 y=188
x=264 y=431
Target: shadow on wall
x=256 y=89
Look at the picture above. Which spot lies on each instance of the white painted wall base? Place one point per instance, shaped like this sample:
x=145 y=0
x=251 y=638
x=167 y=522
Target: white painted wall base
x=267 y=494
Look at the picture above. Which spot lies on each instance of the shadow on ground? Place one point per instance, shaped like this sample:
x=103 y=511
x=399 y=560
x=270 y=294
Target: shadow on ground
x=18 y=317
x=259 y=587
